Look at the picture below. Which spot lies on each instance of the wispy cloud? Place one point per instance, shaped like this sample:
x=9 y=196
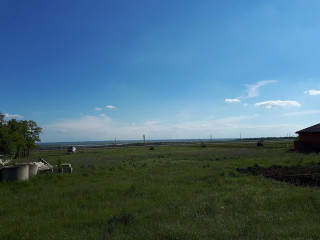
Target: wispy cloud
x=253 y=89
x=278 y=103
x=306 y=112
x=12 y=116
x=312 y=92
x=232 y=100
x=106 y=107
x=110 y=107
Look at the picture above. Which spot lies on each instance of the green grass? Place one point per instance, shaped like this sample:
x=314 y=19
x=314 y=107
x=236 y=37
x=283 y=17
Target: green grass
x=173 y=192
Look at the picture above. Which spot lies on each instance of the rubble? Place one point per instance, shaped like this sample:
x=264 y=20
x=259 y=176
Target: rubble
x=23 y=171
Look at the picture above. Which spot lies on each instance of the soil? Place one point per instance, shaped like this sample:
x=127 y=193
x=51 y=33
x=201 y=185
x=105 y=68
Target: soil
x=297 y=175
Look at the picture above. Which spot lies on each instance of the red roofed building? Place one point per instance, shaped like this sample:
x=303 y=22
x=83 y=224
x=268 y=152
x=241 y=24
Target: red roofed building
x=309 y=139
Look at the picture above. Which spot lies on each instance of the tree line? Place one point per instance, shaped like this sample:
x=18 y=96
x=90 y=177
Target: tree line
x=18 y=137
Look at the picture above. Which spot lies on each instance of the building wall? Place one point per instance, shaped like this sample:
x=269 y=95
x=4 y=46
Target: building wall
x=313 y=138
x=308 y=142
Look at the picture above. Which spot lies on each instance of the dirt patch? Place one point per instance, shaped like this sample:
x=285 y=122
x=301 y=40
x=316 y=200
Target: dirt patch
x=297 y=175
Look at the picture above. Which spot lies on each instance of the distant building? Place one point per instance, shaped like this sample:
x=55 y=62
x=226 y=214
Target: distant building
x=309 y=139
x=72 y=149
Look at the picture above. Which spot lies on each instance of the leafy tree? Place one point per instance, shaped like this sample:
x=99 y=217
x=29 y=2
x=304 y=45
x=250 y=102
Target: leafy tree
x=32 y=134
x=1 y=118
x=17 y=138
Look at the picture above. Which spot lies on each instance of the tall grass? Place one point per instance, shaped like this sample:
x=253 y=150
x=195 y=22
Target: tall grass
x=173 y=192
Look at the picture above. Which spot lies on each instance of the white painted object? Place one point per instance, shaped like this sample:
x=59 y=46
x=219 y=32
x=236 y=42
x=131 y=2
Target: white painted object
x=33 y=169
x=43 y=166
x=4 y=162
x=72 y=149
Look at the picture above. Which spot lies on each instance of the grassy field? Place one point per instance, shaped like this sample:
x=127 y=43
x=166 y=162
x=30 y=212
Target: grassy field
x=172 y=192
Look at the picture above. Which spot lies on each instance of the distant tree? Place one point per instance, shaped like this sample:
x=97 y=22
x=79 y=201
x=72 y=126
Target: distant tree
x=32 y=135
x=17 y=138
x=2 y=116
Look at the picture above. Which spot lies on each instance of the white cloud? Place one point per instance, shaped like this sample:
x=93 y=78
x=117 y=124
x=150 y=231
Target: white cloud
x=102 y=127
x=312 y=92
x=106 y=107
x=104 y=116
x=232 y=100
x=278 y=103
x=307 y=112
x=110 y=107
x=85 y=128
x=12 y=116
x=94 y=128
x=253 y=89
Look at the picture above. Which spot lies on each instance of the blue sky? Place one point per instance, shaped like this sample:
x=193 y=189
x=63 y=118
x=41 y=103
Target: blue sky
x=99 y=70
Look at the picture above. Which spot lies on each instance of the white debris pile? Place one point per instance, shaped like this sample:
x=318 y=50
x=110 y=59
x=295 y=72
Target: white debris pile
x=43 y=165
x=4 y=162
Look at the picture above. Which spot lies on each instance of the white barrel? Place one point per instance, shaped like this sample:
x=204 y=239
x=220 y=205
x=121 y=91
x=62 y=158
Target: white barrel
x=15 y=173
x=33 y=170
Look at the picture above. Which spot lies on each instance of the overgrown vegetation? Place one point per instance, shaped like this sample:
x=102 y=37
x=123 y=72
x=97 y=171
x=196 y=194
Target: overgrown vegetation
x=17 y=138
x=172 y=192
